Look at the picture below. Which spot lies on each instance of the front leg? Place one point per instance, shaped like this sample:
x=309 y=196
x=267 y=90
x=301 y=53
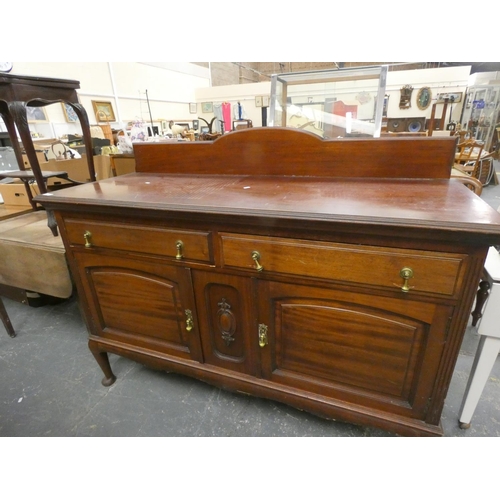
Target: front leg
x=103 y=360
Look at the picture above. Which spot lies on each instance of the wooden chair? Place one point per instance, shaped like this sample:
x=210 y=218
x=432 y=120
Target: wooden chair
x=468 y=156
x=471 y=182
x=6 y=320
x=463 y=134
x=485 y=169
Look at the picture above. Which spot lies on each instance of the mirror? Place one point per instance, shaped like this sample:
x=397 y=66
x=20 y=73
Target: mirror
x=424 y=98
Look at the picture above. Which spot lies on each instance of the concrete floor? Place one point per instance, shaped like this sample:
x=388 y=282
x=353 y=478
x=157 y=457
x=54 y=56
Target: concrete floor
x=50 y=386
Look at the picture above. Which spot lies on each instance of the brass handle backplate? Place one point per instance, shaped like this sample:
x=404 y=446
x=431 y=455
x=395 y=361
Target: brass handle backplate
x=189 y=320
x=263 y=341
x=86 y=236
x=256 y=258
x=179 y=247
x=406 y=273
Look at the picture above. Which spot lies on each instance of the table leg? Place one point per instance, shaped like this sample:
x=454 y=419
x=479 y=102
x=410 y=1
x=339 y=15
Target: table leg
x=485 y=358
x=6 y=320
x=87 y=138
x=17 y=110
x=11 y=129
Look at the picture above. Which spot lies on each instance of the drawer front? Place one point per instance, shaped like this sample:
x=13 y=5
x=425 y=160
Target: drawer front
x=432 y=272
x=177 y=244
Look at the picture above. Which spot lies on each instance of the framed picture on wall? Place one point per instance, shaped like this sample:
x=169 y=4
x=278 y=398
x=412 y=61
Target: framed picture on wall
x=207 y=107
x=103 y=111
x=69 y=113
x=192 y=107
x=452 y=97
x=36 y=115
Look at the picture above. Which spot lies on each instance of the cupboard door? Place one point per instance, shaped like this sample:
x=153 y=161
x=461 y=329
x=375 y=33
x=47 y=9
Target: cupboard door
x=226 y=321
x=144 y=304
x=376 y=351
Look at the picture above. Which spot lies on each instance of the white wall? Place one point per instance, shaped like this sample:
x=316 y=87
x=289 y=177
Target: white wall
x=439 y=80
x=170 y=87
x=244 y=93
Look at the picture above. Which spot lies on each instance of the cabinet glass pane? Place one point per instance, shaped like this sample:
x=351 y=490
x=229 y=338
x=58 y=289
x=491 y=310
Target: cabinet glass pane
x=341 y=103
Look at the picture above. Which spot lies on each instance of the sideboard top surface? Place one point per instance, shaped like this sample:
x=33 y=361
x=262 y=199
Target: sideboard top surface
x=432 y=204
x=273 y=173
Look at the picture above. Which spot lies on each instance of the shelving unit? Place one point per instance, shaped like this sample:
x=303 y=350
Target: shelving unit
x=481 y=113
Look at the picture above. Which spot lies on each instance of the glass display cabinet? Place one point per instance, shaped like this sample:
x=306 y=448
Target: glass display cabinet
x=330 y=103
x=481 y=114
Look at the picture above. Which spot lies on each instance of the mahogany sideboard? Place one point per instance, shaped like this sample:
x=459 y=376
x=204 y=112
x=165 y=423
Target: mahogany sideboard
x=336 y=276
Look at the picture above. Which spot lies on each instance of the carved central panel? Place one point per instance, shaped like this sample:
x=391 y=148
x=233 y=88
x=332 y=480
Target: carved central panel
x=227 y=322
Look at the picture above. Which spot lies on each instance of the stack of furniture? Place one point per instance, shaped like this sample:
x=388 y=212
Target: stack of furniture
x=33 y=258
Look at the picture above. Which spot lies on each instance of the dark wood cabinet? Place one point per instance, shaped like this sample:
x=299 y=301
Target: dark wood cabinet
x=344 y=294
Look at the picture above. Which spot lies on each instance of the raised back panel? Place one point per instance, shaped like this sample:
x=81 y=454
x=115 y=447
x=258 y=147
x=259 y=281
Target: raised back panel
x=283 y=151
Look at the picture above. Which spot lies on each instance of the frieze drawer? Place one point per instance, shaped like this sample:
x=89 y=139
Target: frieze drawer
x=174 y=243
x=408 y=270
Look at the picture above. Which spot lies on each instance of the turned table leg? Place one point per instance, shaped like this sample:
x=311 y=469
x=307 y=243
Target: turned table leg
x=103 y=361
x=482 y=295
x=6 y=320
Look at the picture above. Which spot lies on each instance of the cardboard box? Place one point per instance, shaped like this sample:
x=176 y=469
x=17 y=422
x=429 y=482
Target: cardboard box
x=14 y=194
x=122 y=164
x=40 y=156
x=77 y=169
x=102 y=166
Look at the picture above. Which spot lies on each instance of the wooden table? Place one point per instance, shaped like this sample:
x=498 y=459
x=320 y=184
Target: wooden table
x=19 y=92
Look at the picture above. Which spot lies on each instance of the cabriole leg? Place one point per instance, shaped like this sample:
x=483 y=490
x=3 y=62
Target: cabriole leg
x=103 y=361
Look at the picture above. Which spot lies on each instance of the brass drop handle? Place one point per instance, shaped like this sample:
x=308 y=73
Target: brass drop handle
x=263 y=341
x=256 y=258
x=406 y=273
x=179 y=246
x=86 y=236
x=189 y=320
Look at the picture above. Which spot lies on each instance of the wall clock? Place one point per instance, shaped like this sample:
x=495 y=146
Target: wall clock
x=424 y=98
x=5 y=66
